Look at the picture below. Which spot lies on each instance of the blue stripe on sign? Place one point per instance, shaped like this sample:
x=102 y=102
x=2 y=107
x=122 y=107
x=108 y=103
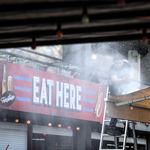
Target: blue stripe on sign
x=22 y=89
x=89 y=92
x=22 y=78
x=23 y=99
x=87 y=109
x=88 y=100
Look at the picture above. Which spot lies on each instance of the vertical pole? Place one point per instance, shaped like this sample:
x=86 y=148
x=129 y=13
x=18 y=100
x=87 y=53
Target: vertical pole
x=29 y=136
x=134 y=136
x=103 y=128
x=88 y=137
x=125 y=134
x=116 y=140
x=74 y=139
x=104 y=117
x=147 y=143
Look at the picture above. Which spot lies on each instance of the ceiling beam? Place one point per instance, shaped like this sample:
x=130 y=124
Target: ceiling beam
x=75 y=41
x=130 y=14
x=36 y=5
x=75 y=31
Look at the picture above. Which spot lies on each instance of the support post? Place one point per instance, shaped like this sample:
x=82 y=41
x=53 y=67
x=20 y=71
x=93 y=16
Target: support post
x=134 y=136
x=29 y=136
x=116 y=140
x=88 y=141
x=147 y=143
x=74 y=139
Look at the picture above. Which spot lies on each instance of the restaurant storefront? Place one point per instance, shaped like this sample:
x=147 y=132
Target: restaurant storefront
x=42 y=110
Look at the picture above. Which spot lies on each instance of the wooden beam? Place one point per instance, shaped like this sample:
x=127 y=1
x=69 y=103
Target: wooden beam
x=70 y=19
x=17 y=5
x=8 y=44
x=124 y=112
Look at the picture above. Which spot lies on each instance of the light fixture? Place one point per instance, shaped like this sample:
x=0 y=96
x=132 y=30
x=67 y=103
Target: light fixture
x=59 y=32
x=59 y=125
x=85 y=18
x=94 y=56
x=4 y=119
x=49 y=124
x=78 y=128
x=33 y=45
x=135 y=122
x=121 y=2
x=131 y=108
x=69 y=127
x=147 y=124
x=28 y=122
x=17 y=120
x=144 y=38
x=44 y=134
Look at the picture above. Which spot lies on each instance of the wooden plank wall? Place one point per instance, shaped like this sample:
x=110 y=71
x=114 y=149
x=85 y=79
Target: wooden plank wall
x=124 y=112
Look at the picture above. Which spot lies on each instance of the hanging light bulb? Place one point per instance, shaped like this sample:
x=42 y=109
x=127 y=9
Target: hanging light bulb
x=17 y=120
x=85 y=18
x=131 y=108
x=59 y=125
x=94 y=56
x=121 y=2
x=59 y=32
x=144 y=38
x=138 y=136
x=33 y=46
x=49 y=124
x=28 y=122
x=4 y=119
x=77 y=128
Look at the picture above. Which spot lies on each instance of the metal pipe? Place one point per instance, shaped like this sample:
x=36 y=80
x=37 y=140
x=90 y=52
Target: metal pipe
x=132 y=101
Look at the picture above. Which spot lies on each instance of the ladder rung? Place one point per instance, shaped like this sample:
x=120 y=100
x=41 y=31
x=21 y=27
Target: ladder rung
x=130 y=121
x=107 y=120
x=120 y=121
x=106 y=135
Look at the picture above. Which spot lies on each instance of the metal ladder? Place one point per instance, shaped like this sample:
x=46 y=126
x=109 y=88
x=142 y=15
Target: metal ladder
x=116 y=138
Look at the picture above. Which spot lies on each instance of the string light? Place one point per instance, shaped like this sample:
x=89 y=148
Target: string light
x=77 y=128
x=17 y=120
x=147 y=124
x=4 y=119
x=94 y=56
x=59 y=125
x=33 y=46
x=131 y=108
x=144 y=38
x=59 y=32
x=85 y=18
x=49 y=124
x=28 y=122
x=121 y=2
